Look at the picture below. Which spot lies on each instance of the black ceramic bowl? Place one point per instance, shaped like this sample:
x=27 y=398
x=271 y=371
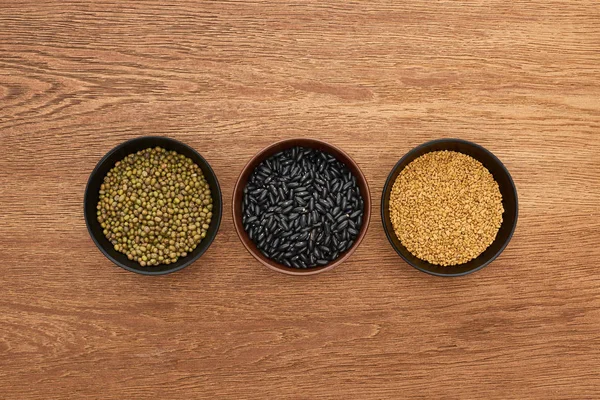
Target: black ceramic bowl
x=92 y=193
x=509 y=201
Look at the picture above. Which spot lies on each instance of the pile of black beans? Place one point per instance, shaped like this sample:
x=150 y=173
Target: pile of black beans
x=302 y=208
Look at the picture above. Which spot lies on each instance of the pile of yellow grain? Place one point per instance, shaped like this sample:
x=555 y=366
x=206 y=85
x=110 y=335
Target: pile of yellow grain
x=446 y=208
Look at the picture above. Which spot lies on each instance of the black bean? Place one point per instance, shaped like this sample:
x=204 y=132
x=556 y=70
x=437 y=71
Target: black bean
x=320 y=207
x=286 y=203
x=320 y=237
x=342 y=225
x=341 y=217
x=281 y=193
x=303 y=220
x=301 y=201
x=352 y=231
x=334 y=241
x=322 y=262
x=346 y=235
x=265 y=253
x=315 y=216
x=335 y=186
x=356 y=214
x=287 y=209
x=284 y=225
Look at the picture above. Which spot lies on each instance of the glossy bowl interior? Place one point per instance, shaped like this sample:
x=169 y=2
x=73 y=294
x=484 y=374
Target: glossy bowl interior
x=92 y=195
x=238 y=194
x=509 y=201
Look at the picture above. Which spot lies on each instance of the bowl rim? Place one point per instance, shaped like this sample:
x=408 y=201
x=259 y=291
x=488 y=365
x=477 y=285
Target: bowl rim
x=273 y=265
x=86 y=217
x=442 y=141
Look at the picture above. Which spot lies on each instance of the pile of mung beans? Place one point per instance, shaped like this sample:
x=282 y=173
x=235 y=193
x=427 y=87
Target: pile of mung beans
x=155 y=206
x=302 y=208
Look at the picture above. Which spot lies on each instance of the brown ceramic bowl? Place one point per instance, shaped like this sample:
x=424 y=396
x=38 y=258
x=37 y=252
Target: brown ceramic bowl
x=238 y=193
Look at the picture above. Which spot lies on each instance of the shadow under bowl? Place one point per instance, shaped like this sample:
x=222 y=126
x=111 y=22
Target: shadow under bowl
x=238 y=194
x=509 y=201
x=92 y=194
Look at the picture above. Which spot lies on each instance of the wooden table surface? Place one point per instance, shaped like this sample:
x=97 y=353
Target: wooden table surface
x=376 y=78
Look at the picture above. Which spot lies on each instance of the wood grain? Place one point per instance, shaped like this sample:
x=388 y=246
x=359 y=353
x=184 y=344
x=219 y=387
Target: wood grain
x=376 y=78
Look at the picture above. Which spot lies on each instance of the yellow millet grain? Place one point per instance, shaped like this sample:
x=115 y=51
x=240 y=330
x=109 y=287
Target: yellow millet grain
x=446 y=208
